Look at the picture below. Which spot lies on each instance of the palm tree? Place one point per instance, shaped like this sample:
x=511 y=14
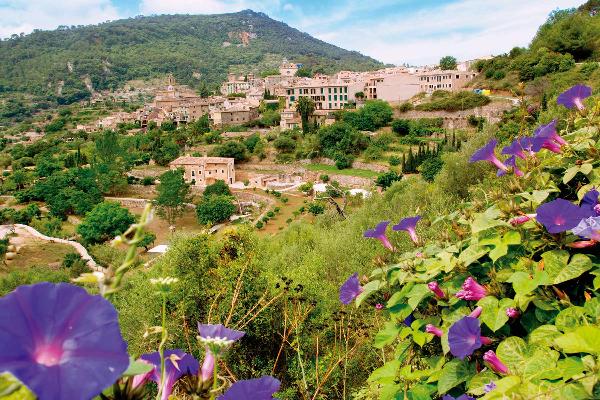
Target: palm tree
x=305 y=107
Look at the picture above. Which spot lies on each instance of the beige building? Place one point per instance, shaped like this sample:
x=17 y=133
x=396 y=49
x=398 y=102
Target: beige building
x=288 y=69
x=451 y=80
x=326 y=95
x=204 y=171
x=234 y=115
x=392 y=87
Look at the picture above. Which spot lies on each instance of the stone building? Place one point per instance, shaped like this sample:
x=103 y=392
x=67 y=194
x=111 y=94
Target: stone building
x=204 y=171
x=450 y=80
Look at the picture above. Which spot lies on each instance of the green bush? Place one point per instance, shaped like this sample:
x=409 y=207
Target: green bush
x=105 y=221
x=215 y=209
x=259 y=225
x=343 y=161
x=316 y=208
x=431 y=167
x=394 y=161
x=386 y=180
x=463 y=100
x=401 y=126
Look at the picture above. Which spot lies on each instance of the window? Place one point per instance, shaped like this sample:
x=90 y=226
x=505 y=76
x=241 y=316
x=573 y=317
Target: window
x=193 y=174
x=457 y=76
x=329 y=97
x=345 y=97
x=329 y=90
x=329 y=105
x=322 y=90
x=335 y=97
x=346 y=90
x=334 y=90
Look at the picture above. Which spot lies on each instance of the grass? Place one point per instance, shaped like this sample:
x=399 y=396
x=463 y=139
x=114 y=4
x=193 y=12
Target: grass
x=38 y=252
x=362 y=173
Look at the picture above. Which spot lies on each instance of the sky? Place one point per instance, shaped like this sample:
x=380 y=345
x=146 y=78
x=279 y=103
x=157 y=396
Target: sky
x=416 y=32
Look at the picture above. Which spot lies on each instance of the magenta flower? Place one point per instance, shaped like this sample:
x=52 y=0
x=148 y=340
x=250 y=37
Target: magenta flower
x=476 y=312
x=588 y=228
x=471 y=290
x=590 y=203
x=548 y=132
x=494 y=362
x=521 y=219
x=217 y=337
x=461 y=397
x=379 y=234
x=208 y=366
x=512 y=163
x=379 y=306
x=261 y=388
x=582 y=244
x=573 y=98
x=409 y=225
x=486 y=341
x=512 y=312
x=350 y=289
x=559 y=215
x=60 y=341
x=464 y=337
x=177 y=365
x=486 y=153
x=436 y=289
x=434 y=329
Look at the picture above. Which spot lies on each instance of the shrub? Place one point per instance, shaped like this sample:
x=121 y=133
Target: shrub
x=395 y=161
x=215 y=209
x=371 y=153
x=431 y=167
x=231 y=149
x=219 y=188
x=324 y=178
x=385 y=180
x=259 y=225
x=401 y=126
x=405 y=107
x=147 y=181
x=316 y=208
x=284 y=144
x=105 y=221
x=343 y=161
x=270 y=214
x=455 y=102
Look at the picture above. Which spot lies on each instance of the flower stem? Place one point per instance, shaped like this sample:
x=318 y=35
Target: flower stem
x=214 y=388
x=161 y=350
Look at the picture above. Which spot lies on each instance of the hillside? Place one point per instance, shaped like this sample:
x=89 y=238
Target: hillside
x=565 y=50
x=195 y=48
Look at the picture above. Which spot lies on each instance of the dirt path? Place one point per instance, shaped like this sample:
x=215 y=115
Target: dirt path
x=27 y=231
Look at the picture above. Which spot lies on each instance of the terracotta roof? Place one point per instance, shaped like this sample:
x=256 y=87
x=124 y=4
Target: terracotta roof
x=189 y=160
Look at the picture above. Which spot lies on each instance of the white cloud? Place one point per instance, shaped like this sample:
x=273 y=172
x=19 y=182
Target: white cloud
x=205 y=6
x=18 y=16
x=465 y=29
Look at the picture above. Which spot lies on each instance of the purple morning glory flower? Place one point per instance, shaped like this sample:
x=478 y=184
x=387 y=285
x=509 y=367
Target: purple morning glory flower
x=253 y=389
x=590 y=203
x=217 y=336
x=471 y=290
x=208 y=366
x=379 y=234
x=409 y=320
x=476 y=313
x=350 y=289
x=511 y=162
x=464 y=337
x=409 y=225
x=489 y=387
x=60 y=341
x=559 y=215
x=573 y=98
x=548 y=132
x=515 y=149
x=177 y=364
x=495 y=364
x=379 y=306
x=588 y=228
x=486 y=153
x=461 y=397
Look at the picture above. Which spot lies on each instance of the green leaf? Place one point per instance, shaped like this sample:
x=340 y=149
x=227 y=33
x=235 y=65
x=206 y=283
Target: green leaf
x=417 y=294
x=387 y=335
x=585 y=339
x=454 y=373
x=488 y=219
x=472 y=253
x=476 y=385
x=537 y=196
x=560 y=270
x=12 y=389
x=570 y=367
x=137 y=368
x=369 y=288
x=542 y=364
x=544 y=335
x=385 y=374
x=513 y=353
x=494 y=311
x=570 y=318
x=501 y=243
x=570 y=174
x=523 y=283
x=504 y=387
x=592 y=308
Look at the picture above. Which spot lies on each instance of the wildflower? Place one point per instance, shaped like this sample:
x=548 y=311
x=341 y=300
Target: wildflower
x=464 y=337
x=217 y=337
x=588 y=228
x=409 y=225
x=476 y=312
x=434 y=329
x=486 y=341
x=489 y=387
x=574 y=97
x=590 y=203
x=461 y=397
x=486 y=153
x=409 y=320
x=559 y=215
x=548 y=132
x=512 y=312
x=163 y=284
x=254 y=389
x=582 y=244
x=208 y=366
x=60 y=341
x=471 y=290
x=521 y=219
x=350 y=289
x=379 y=306
x=515 y=149
x=436 y=289
x=379 y=234
x=512 y=163
x=494 y=362
x=177 y=364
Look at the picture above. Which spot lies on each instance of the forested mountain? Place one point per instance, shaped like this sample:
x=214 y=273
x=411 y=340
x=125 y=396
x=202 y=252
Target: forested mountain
x=194 y=48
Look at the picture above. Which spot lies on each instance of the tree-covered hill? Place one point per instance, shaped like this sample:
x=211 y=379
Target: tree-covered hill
x=194 y=48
